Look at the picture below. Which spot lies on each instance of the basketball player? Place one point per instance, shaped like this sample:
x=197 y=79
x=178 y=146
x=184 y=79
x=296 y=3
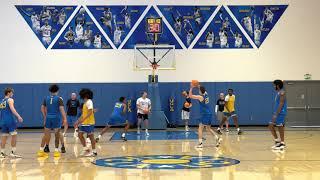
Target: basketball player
x=248 y=24
x=86 y=123
x=190 y=36
x=45 y=14
x=210 y=39
x=185 y=112
x=144 y=107
x=87 y=37
x=81 y=19
x=117 y=118
x=219 y=110
x=229 y=111
x=35 y=20
x=97 y=41
x=46 y=33
x=206 y=114
x=9 y=124
x=268 y=15
x=69 y=36
x=197 y=16
x=117 y=35
x=223 y=39
x=55 y=16
x=177 y=23
x=62 y=17
x=79 y=33
x=127 y=17
x=72 y=112
x=257 y=35
x=52 y=110
x=106 y=19
x=279 y=115
x=237 y=40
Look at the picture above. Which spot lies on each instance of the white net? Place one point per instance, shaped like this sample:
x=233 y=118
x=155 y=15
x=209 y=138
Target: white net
x=163 y=55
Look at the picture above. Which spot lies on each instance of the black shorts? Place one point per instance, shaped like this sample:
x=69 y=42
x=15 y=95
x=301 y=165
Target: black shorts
x=142 y=116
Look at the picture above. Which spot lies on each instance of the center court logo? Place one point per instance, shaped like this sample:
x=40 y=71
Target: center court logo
x=166 y=162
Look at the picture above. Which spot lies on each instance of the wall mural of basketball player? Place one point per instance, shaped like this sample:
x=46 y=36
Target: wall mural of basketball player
x=117 y=21
x=259 y=20
x=82 y=33
x=187 y=21
x=46 y=21
x=222 y=33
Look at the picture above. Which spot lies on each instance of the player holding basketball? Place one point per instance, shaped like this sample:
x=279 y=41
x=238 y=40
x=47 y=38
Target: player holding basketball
x=185 y=112
x=279 y=114
x=144 y=107
x=9 y=124
x=229 y=111
x=52 y=109
x=117 y=118
x=86 y=123
x=206 y=113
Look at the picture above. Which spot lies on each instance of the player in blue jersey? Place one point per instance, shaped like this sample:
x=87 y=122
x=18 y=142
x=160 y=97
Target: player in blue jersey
x=9 y=123
x=206 y=114
x=52 y=110
x=279 y=115
x=117 y=118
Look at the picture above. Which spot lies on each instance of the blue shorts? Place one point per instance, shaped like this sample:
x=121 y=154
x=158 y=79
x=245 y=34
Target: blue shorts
x=116 y=120
x=9 y=128
x=280 y=121
x=53 y=123
x=89 y=129
x=206 y=119
x=230 y=114
x=71 y=119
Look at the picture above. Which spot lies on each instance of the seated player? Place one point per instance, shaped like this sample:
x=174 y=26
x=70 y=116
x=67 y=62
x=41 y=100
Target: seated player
x=86 y=123
x=279 y=115
x=52 y=109
x=9 y=124
x=117 y=118
x=206 y=114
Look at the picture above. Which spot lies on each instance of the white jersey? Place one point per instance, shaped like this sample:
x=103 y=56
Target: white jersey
x=257 y=36
x=79 y=31
x=144 y=104
x=248 y=24
x=46 y=30
x=178 y=26
x=127 y=21
x=269 y=15
x=189 y=38
x=117 y=37
x=238 y=41
x=97 y=41
x=223 y=39
x=210 y=39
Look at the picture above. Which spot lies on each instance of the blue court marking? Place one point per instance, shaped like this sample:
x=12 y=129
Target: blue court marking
x=166 y=162
x=160 y=135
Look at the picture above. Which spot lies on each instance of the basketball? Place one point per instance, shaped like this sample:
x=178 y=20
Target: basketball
x=146 y=111
x=186 y=104
x=195 y=83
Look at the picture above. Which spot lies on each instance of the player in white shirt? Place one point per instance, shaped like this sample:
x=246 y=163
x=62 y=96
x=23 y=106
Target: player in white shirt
x=223 y=39
x=143 y=110
x=210 y=39
x=248 y=24
x=79 y=33
x=238 y=40
x=46 y=33
x=87 y=36
x=268 y=14
x=190 y=36
x=97 y=41
x=117 y=35
x=62 y=17
x=35 y=20
x=257 y=35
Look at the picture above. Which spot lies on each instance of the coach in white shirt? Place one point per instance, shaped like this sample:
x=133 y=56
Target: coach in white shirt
x=143 y=110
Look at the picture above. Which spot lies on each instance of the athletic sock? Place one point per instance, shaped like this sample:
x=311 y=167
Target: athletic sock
x=13 y=149
x=277 y=140
x=123 y=135
x=218 y=128
x=99 y=136
x=238 y=129
x=94 y=150
x=56 y=149
x=200 y=141
x=2 y=150
x=41 y=148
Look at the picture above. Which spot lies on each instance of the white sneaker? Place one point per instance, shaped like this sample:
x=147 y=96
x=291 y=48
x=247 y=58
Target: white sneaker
x=187 y=128
x=200 y=145
x=14 y=155
x=91 y=154
x=276 y=144
x=147 y=134
x=3 y=155
x=218 y=141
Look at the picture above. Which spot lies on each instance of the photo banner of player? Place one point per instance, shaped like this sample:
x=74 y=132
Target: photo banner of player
x=141 y=36
x=82 y=33
x=117 y=21
x=187 y=21
x=258 y=21
x=222 y=33
x=45 y=21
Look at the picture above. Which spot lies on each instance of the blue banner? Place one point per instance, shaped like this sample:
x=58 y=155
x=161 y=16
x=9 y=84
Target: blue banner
x=187 y=21
x=222 y=33
x=258 y=21
x=82 y=33
x=117 y=21
x=140 y=35
x=46 y=21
